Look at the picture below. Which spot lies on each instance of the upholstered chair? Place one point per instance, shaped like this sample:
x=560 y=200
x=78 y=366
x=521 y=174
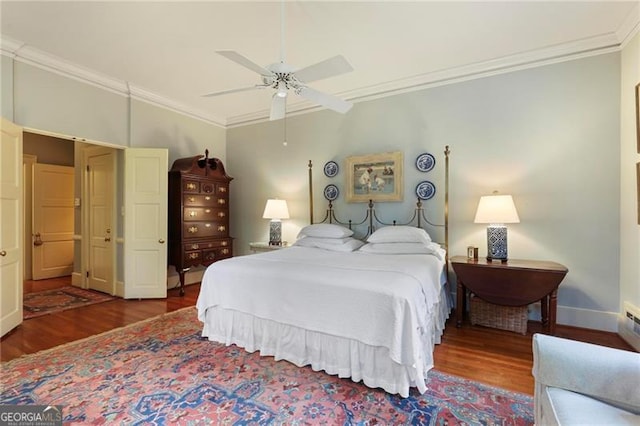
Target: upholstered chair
x=579 y=383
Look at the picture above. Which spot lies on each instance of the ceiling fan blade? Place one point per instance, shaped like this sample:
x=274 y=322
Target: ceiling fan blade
x=242 y=89
x=325 y=69
x=325 y=99
x=278 y=107
x=245 y=62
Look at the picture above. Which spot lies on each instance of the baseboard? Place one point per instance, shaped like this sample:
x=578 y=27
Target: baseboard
x=578 y=317
x=629 y=337
x=193 y=276
x=76 y=279
x=119 y=288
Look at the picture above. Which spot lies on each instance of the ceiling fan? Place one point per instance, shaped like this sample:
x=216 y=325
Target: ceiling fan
x=283 y=77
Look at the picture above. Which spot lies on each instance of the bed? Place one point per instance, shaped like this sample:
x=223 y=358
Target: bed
x=370 y=310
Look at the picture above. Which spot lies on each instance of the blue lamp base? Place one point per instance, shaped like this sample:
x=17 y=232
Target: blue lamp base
x=275 y=233
x=497 y=242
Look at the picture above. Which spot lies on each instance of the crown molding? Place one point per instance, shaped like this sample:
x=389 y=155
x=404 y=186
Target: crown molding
x=143 y=95
x=592 y=46
x=630 y=27
x=26 y=54
x=565 y=52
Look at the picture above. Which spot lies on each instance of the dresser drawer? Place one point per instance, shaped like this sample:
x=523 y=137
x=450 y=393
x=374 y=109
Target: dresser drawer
x=208 y=187
x=205 y=229
x=205 y=213
x=199 y=200
x=206 y=256
x=190 y=186
x=215 y=254
x=222 y=190
x=219 y=243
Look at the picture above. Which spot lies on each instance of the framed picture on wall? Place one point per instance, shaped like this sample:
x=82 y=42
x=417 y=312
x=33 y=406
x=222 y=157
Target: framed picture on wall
x=376 y=177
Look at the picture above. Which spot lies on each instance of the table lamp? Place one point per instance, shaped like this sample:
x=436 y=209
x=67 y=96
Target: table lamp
x=496 y=210
x=275 y=210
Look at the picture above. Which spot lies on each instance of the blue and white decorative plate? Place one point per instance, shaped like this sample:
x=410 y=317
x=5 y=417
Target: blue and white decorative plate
x=331 y=169
x=331 y=192
x=425 y=190
x=425 y=162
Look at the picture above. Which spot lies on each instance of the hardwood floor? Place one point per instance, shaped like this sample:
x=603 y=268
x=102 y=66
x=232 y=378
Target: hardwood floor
x=491 y=356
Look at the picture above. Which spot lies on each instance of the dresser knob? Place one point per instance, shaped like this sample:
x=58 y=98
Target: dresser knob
x=193 y=214
x=207 y=198
x=222 y=189
x=221 y=214
x=207 y=211
x=225 y=251
x=191 y=199
x=193 y=229
x=161 y=241
x=222 y=201
x=225 y=243
x=222 y=228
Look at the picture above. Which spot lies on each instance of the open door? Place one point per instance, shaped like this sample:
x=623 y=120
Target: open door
x=99 y=219
x=145 y=223
x=11 y=226
x=52 y=221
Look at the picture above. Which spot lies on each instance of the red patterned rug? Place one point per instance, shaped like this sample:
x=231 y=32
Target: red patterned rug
x=60 y=299
x=161 y=371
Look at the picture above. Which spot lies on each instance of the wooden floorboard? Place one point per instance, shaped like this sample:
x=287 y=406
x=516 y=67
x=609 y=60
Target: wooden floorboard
x=495 y=357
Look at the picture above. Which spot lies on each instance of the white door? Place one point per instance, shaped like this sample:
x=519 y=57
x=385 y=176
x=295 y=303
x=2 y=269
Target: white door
x=52 y=221
x=99 y=196
x=145 y=223
x=11 y=226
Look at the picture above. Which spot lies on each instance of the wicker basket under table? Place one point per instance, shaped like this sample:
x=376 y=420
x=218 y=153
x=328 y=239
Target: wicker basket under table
x=511 y=318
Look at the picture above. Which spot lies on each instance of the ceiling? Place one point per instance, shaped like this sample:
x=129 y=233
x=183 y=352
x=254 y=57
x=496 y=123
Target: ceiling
x=164 y=52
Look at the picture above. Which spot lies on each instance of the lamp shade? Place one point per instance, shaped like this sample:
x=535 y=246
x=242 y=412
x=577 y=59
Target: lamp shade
x=276 y=209
x=496 y=209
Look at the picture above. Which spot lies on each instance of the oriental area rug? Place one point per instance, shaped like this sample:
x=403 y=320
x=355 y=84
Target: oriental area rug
x=161 y=371
x=60 y=299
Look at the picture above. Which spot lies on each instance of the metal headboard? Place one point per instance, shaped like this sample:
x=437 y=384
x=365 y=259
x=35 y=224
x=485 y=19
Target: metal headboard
x=372 y=219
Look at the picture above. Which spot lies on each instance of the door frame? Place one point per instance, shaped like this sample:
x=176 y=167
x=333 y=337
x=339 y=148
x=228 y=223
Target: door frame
x=87 y=152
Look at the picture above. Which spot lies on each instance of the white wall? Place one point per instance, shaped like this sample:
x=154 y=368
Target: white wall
x=629 y=156
x=155 y=127
x=47 y=101
x=6 y=87
x=549 y=136
x=36 y=98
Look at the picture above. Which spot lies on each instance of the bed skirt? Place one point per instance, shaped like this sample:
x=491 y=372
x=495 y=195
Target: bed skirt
x=335 y=355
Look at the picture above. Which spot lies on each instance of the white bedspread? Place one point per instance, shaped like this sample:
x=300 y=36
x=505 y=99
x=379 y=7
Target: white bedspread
x=379 y=300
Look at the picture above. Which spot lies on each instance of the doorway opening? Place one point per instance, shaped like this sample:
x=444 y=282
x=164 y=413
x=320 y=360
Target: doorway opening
x=57 y=226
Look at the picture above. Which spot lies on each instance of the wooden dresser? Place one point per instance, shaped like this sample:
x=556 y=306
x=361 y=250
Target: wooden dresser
x=198 y=213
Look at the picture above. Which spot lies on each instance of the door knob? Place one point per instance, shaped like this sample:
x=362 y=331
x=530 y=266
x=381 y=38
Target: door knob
x=161 y=241
x=107 y=239
x=3 y=253
x=38 y=240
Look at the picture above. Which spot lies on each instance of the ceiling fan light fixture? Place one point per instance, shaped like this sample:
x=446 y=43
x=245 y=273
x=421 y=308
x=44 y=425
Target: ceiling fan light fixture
x=282 y=90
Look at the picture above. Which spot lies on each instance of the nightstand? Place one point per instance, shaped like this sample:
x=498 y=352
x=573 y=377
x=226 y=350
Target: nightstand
x=260 y=247
x=512 y=283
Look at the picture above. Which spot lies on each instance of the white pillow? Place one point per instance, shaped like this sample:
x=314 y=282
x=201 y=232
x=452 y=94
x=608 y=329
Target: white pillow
x=325 y=230
x=403 y=248
x=322 y=240
x=400 y=234
x=350 y=245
